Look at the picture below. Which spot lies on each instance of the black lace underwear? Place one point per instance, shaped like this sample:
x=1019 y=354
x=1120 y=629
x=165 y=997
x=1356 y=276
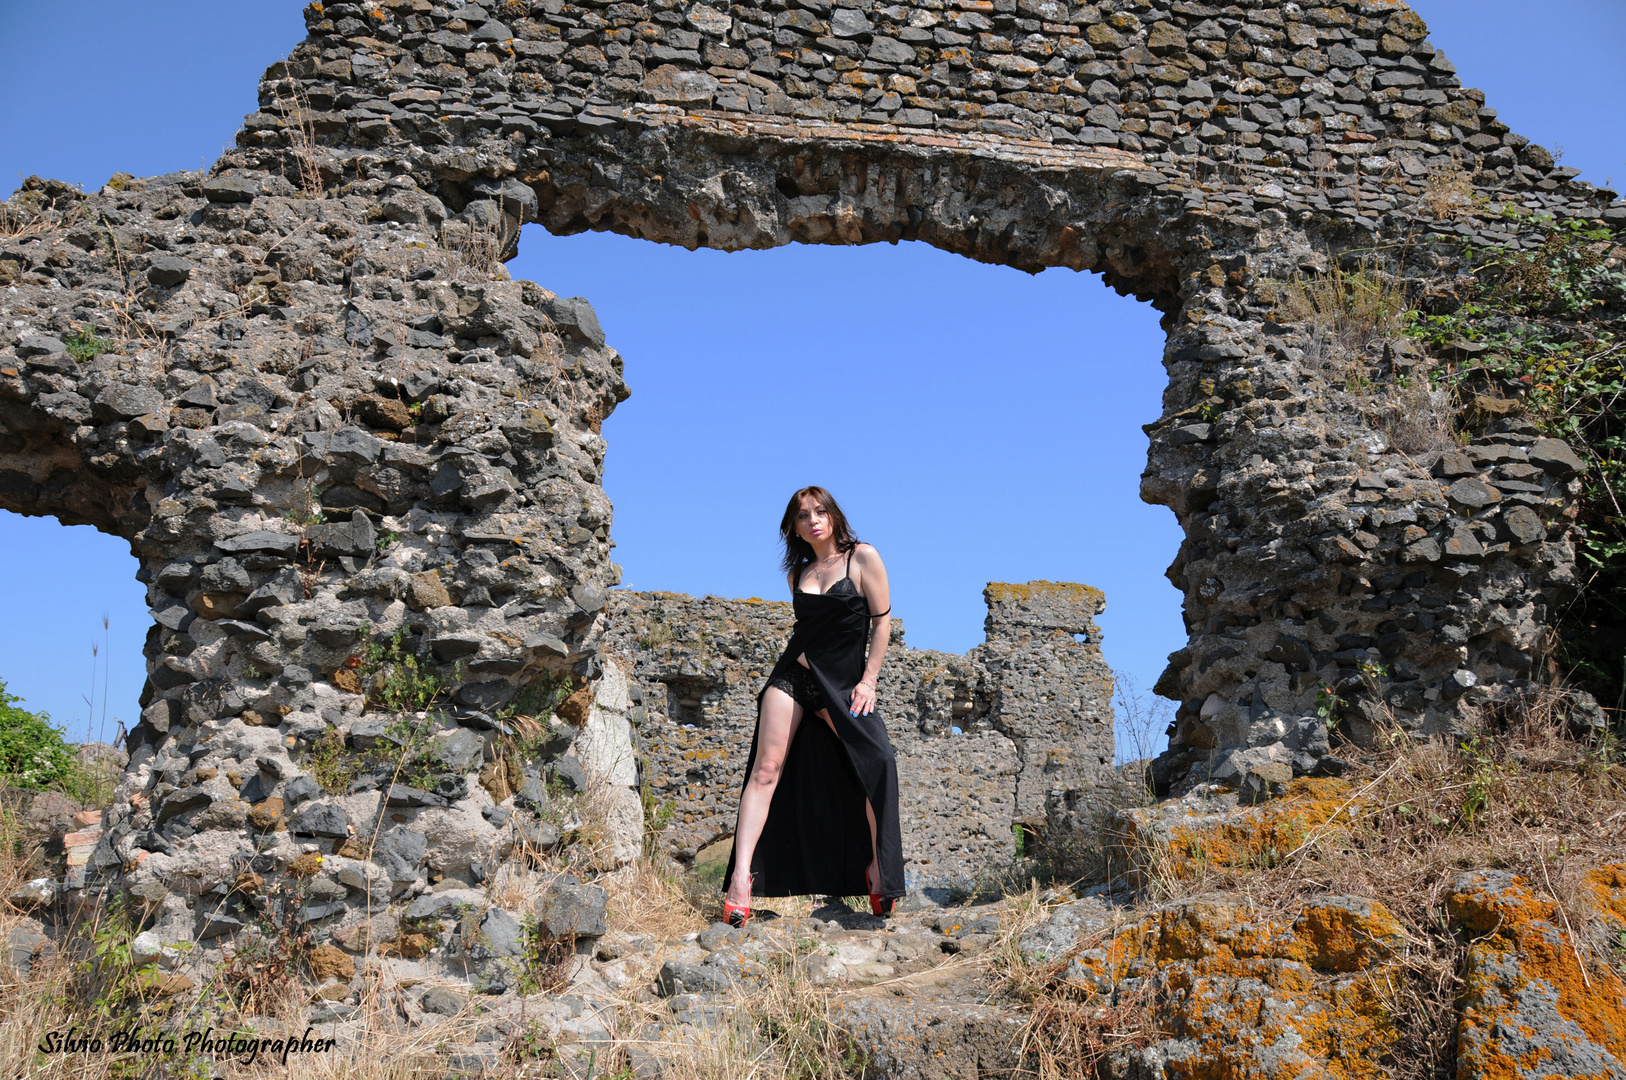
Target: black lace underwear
x=798 y=682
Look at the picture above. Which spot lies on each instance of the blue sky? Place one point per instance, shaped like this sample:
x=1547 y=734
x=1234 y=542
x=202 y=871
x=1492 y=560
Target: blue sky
x=977 y=423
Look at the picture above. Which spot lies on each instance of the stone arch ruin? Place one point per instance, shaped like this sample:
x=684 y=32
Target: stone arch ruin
x=322 y=415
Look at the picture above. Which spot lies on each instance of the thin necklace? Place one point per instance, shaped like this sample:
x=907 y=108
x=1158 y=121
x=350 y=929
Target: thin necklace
x=818 y=572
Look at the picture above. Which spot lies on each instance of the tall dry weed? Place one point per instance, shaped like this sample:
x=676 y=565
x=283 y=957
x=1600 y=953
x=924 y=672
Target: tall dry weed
x=295 y=107
x=19 y=222
x=780 y=1027
x=1071 y=1031
x=647 y=899
x=1449 y=193
x=483 y=245
x=1417 y=418
x=1139 y=730
x=1346 y=313
x=1355 y=322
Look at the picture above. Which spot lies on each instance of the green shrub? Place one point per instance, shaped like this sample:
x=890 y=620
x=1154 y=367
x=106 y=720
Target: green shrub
x=33 y=753
x=394 y=678
x=1551 y=322
x=87 y=345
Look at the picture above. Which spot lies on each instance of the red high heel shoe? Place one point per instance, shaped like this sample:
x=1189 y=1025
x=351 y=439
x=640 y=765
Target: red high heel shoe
x=736 y=915
x=878 y=904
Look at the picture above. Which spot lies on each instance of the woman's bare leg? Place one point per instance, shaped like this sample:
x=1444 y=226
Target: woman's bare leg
x=776 y=726
x=873 y=873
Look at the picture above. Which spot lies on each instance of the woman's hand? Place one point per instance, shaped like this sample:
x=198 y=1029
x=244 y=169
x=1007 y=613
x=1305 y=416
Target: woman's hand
x=863 y=699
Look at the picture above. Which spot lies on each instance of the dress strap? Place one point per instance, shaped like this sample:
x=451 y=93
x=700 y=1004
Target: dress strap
x=878 y=614
x=850 y=551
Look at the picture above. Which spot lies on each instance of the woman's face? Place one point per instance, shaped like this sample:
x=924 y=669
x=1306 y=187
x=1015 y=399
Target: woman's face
x=812 y=520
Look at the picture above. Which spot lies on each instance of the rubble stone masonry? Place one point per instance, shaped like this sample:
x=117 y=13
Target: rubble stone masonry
x=303 y=389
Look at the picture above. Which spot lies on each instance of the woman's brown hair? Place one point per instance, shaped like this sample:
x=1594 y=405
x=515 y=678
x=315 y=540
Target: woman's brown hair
x=798 y=552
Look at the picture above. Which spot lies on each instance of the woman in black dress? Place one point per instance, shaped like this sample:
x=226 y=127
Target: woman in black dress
x=819 y=806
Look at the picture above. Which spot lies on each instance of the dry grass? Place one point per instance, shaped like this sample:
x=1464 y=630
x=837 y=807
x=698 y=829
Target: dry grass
x=781 y=1028
x=1346 y=314
x=295 y=107
x=1070 y=1030
x=1141 y=721
x=647 y=899
x=18 y=222
x=1355 y=322
x=483 y=245
x=1023 y=911
x=1519 y=791
x=21 y=858
x=1448 y=192
x=1418 y=419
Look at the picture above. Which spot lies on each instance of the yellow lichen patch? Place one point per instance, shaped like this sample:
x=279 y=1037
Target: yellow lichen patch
x=1237 y=992
x=1353 y=1029
x=1202 y=931
x=1493 y=905
x=1011 y=592
x=1346 y=936
x=1260 y=837
x=1191 y=931
x=1608 y=885
x=1523 y=970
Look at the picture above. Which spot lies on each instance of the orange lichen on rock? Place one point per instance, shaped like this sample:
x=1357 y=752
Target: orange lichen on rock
x=1347 y=934
x=1246 y=997
x=1608 y=885
x=1183 y=845
x=1530 y=1010
x=1353 y=1033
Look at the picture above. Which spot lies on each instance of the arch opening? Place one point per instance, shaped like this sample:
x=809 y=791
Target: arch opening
x=978 y=425
x=73 y=643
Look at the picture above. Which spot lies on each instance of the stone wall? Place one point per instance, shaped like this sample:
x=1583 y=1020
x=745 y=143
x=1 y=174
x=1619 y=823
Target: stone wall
x=1013 y=733
x=339 y=451
x=315 y=406
x=1195 y=155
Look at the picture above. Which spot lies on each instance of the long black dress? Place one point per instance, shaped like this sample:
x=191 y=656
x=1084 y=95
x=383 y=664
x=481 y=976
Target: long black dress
x=815 y=841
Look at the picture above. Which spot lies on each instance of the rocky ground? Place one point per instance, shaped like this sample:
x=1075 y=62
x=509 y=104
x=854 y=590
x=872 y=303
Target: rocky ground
x=547 y=975
x=1436 y=912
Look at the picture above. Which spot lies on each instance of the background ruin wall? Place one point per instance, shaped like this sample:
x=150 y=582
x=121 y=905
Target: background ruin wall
x=1014 y=736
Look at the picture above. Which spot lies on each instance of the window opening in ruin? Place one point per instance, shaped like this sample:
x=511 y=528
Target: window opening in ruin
x=1026 y=832
x=978 y=423
x=70 y=645
x=687 y=699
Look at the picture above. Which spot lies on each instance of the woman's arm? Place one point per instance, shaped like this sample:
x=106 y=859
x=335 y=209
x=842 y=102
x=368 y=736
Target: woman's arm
x=872 y=583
